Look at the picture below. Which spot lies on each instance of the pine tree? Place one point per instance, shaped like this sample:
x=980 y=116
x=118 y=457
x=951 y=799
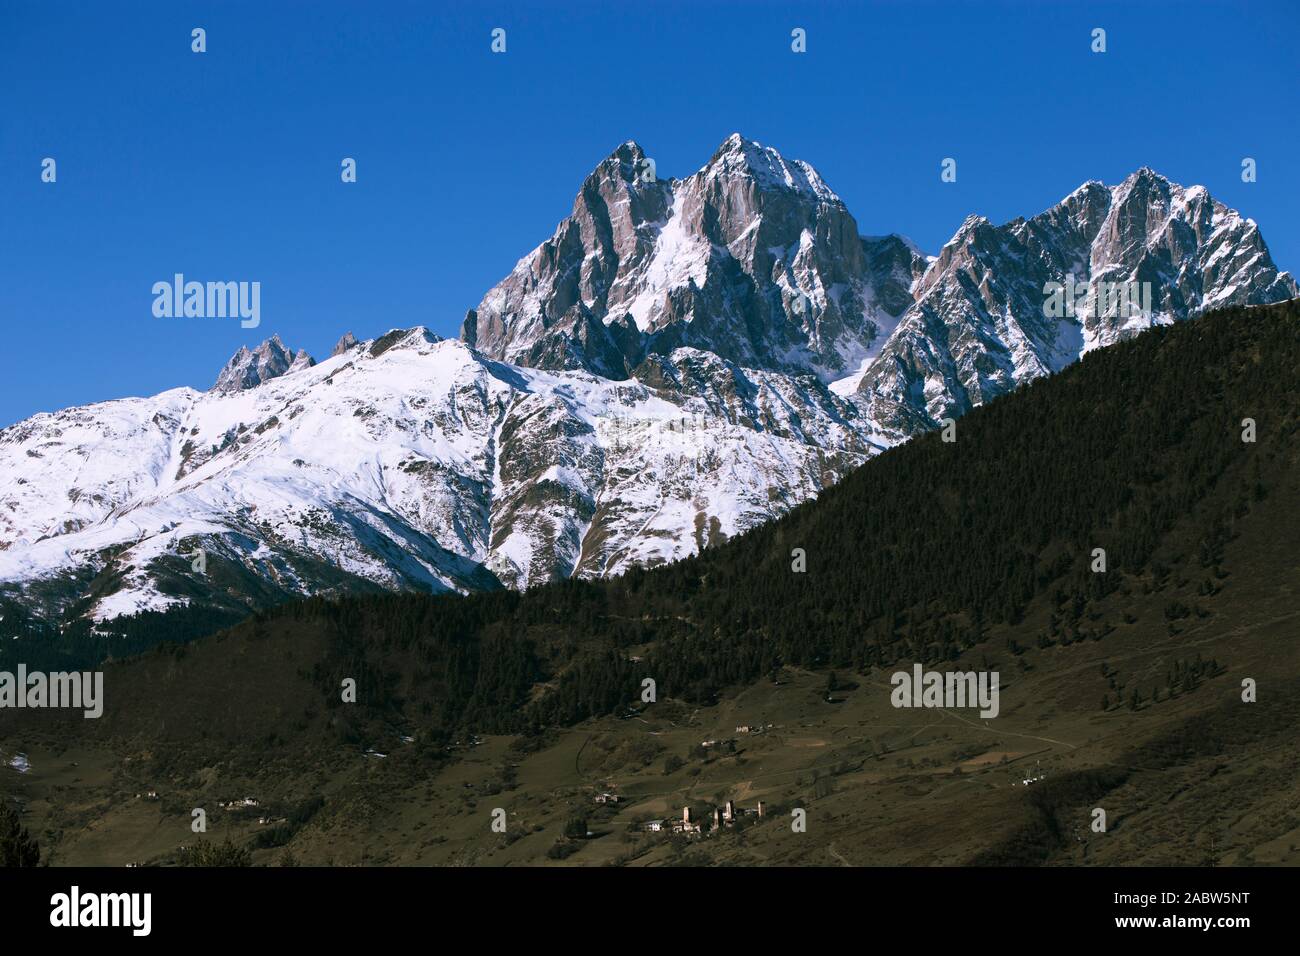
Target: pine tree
x=17 y=848
x=207 y=853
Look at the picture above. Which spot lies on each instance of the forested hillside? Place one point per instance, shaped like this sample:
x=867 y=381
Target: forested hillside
x=1138 y=450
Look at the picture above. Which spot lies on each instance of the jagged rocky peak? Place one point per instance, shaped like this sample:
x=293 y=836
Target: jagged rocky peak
x=413 y=338
x=1144 y=252
x=627 y=166
x=347 y=342
x=894 y=266
x=752 y=257
x=248 y=369
x=1195 y=252
x=745 y=158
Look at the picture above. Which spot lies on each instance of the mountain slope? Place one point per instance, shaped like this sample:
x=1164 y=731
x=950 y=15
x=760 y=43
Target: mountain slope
x=409 y=462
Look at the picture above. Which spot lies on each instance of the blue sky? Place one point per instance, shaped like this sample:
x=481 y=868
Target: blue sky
x=225 y=165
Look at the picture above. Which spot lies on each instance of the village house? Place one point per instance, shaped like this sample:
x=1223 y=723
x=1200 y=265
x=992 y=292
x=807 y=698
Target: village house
x=723 y=817
x=1037 y=775
x=686 y=824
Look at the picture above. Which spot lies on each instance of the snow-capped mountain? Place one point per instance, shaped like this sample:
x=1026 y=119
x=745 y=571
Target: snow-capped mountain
x=755 y=259
x=404 y=462
x=982 y=322
x=682 y=360
x=752 y=258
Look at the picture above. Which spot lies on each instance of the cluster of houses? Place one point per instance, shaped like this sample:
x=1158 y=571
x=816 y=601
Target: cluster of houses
x=247 y=803
x=147 y=795
x=723 y=817
x=728 y=744
x=238 y=804
x=1037 y=775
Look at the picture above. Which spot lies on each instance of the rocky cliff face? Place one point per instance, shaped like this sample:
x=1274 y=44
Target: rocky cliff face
x=247 y=369
x=752 y=258
x=755 y=259
x=1143 y=253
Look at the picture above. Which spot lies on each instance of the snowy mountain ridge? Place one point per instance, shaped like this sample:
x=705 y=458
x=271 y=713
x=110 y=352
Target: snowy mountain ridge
x=407 y=461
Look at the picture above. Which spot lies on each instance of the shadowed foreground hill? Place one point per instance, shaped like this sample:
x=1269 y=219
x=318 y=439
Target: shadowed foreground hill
x=975 y=553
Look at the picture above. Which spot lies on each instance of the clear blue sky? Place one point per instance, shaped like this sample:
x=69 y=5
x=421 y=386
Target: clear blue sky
x=225 y=165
